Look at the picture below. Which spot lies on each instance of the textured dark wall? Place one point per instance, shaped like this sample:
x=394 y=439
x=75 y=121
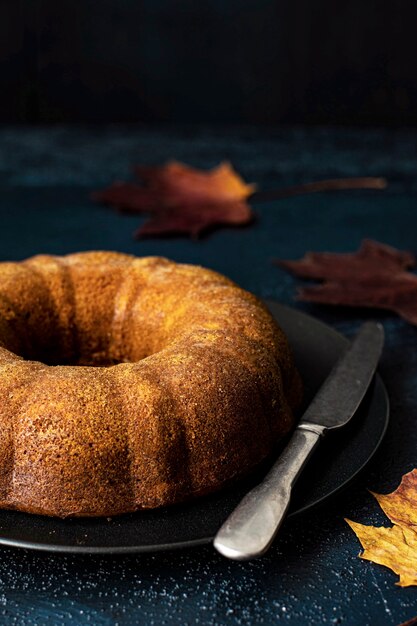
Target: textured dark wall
x=257 y=61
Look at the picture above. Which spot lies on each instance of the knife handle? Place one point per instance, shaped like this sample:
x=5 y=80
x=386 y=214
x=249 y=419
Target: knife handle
x=250 y=529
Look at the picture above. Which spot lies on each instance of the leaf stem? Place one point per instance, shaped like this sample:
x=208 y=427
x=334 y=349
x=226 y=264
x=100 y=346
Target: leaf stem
x=335 y=184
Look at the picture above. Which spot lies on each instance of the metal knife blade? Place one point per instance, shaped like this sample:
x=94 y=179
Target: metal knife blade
x=250 y=529
x=343 y=390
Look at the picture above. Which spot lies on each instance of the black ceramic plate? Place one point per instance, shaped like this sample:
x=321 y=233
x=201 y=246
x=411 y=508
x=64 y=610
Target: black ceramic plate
x=341 y=456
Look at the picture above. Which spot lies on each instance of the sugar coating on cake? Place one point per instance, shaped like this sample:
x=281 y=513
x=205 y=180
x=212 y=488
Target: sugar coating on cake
x=131 y=383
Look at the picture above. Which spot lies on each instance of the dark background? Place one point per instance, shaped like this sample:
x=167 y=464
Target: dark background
x=216 y=61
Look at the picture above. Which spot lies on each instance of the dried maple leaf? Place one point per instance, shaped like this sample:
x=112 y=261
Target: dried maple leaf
x=185 y=200
x=374 y=276
x=182 y=199
x=394 y=547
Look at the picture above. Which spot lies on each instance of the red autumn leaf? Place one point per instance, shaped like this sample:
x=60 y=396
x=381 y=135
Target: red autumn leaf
x=374 y=276
x=181 y=199
x=185 y=200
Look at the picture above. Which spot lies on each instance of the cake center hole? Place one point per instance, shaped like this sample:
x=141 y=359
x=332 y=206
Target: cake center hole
x=80 y=342
x=73 y=351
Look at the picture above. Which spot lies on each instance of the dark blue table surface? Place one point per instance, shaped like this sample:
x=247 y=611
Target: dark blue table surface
x=312 y=574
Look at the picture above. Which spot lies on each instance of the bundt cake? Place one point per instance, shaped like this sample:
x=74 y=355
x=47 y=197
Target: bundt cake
x=129 y=383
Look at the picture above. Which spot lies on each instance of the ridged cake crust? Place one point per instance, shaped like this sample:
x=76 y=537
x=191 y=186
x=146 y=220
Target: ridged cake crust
x=130 y=383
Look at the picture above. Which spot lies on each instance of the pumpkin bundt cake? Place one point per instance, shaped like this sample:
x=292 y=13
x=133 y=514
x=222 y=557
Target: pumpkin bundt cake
x=129 y=383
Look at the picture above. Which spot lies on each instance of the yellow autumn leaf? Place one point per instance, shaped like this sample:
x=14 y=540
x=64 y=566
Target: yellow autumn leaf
x=401 y=505
x=396 y=546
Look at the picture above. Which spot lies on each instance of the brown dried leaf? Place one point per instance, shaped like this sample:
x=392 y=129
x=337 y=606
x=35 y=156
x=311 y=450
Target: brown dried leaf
x=374 y=276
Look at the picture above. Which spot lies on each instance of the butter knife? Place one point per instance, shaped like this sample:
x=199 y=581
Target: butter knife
x=249 y=531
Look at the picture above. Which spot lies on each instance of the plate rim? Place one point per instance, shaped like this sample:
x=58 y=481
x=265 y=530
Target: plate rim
x=190 y=543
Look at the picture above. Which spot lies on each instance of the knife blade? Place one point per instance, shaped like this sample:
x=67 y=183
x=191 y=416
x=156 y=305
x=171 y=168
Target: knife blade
x=250 y=529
